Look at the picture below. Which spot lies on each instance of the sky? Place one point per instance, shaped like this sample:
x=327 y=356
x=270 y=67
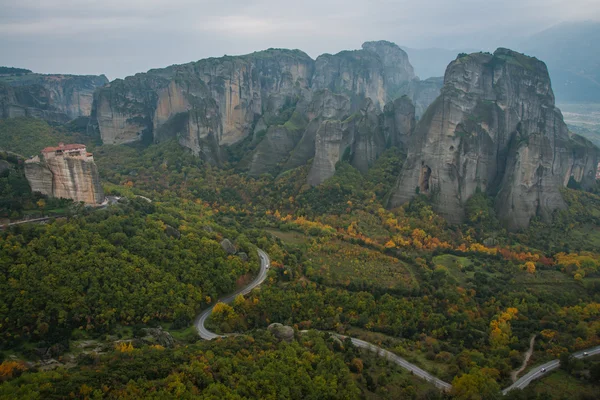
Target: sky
x=121 y=37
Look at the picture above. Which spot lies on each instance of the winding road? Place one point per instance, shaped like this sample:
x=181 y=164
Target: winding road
x=265 y=263
x=204 y=333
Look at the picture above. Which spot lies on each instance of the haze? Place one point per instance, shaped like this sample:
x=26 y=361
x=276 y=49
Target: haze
x=122 y=37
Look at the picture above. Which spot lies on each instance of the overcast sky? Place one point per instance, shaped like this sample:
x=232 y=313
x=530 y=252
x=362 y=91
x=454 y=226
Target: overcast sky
x=121 y=37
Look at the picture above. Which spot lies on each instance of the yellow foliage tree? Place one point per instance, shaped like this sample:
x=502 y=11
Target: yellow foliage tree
x=10 y=369
x=390 y=244
x=124 y=347
x=530 y=267
x=500 y=329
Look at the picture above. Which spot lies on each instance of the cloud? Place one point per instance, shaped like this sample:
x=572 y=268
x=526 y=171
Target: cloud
x=121 y=37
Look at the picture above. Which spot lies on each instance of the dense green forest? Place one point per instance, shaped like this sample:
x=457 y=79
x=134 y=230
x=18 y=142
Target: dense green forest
x=460 y=301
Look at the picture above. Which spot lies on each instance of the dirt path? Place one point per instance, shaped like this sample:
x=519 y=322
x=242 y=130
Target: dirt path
x=514 y=375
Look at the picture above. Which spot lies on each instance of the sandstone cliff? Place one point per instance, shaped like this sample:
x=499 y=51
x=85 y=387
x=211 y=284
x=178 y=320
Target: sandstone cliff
x=56 y=98
x=206 y=104
x=225 y=101
x=357 y=139
x=65 y=176
x=494 y=127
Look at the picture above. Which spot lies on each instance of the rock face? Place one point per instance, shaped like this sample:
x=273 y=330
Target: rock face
x=399 y=121
x=494 y=128
x=56 y=98
x=423 y=93
x=275 y=100
x=65 y=172
x=380 y=71
x=205 y=104
x=357 y=139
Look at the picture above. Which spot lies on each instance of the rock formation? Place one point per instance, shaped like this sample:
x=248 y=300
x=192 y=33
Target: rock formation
x=423 y=92
x=206 y=104
x=281 y=332
x=399 y=121
x=66 y=171
x=55 y=98
x=227 y=246
x=357 y=139
x=158 y=336
x=494 y=128
x=275 y=100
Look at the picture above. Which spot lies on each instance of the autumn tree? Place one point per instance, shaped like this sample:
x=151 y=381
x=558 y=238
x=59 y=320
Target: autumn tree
x=478 y=384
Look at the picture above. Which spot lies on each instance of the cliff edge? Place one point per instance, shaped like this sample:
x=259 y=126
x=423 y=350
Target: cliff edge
x=67 y=171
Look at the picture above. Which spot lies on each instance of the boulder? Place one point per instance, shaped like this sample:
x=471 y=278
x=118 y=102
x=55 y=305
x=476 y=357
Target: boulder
x=159 y=336
x=228 y=246
x=282 y=332
x=172 y=232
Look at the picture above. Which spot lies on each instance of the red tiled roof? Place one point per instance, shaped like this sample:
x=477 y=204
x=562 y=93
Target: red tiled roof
x=64 y=147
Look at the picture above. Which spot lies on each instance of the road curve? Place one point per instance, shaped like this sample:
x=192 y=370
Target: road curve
x=265 y=262
x=201 y=318
x=536 y=372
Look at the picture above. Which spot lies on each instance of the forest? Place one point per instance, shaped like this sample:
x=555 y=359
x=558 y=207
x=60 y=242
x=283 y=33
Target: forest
x=460 y=301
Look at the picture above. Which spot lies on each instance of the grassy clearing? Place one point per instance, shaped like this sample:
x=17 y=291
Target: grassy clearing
x=546 y=283
x=559 y=384
x=341 y=263
x=589 y=234
x=455 y=266
x=290 y=237
x=188 y=334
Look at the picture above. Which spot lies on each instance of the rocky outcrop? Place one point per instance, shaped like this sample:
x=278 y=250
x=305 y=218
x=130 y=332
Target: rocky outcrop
x=206 y=104
x=318 y=107
x=379 y=71
x=55 y=98
x=281 y=332
x=327 y=128
x=494 y=128
x=69 y=176
x=357 y=139
x=275 y=100
x=158 y=336
x=228 y=247
x=585 y=161
x=399 y=121
x=423 y=93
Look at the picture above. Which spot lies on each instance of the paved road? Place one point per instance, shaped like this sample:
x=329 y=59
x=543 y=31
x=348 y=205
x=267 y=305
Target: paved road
x=27 y=221
x=201 y=318
x=537 y=373
x=400 y=361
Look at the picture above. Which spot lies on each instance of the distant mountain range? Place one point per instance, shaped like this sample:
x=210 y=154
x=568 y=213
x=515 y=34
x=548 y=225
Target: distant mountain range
x=570 y=50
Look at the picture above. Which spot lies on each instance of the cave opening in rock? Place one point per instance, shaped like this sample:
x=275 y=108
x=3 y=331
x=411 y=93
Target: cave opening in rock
x=425 y=178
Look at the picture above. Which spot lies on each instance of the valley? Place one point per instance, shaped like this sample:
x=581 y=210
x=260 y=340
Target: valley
x=362 y=232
